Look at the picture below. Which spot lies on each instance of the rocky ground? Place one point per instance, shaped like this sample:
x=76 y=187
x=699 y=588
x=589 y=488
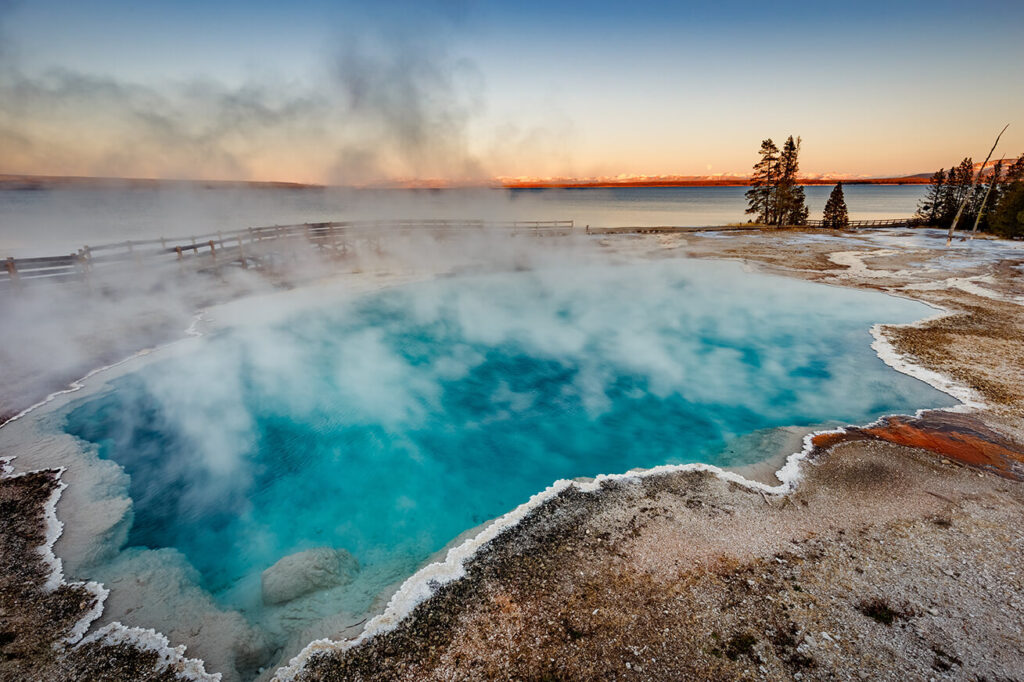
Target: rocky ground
x=898 y=556
x=38 y=636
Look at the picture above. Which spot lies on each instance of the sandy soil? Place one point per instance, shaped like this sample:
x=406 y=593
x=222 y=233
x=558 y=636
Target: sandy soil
x=889 y=561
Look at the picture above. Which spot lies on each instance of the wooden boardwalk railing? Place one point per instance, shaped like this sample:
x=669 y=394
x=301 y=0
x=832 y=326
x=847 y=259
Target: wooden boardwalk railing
x=250 y=247
x=894 y=222
x=738 y=227
x=257 y=247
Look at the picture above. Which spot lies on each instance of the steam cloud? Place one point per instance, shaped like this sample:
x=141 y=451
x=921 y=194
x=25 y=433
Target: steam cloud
x=395 y=105
x=58 y=332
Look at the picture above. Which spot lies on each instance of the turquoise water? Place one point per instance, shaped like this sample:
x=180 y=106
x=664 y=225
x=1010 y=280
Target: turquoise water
x=389 y=424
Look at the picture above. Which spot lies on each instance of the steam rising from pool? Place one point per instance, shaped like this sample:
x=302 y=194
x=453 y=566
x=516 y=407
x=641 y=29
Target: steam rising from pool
x=387 y=425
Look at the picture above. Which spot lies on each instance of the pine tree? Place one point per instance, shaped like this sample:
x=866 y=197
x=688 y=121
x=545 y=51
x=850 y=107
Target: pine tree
x=791 y=202
x=960 y=184
x=998 y=213
x=945 y=194
x=986 y=197
x=1008 y=220
x=762 y=193
x=930 y=208
x=1007 y=216
x=836 y=216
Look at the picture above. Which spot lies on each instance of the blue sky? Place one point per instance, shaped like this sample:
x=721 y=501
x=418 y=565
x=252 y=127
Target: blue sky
x=531 y=88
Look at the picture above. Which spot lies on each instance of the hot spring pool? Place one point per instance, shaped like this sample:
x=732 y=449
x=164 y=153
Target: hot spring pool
x=388 y=424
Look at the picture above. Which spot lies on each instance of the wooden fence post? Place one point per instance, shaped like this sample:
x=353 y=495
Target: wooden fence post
x=12 y=270
x=241 y=253
x=213 y=251
x=83 y=267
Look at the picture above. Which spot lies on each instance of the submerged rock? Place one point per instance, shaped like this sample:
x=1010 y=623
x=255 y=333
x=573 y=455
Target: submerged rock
x=304 y=572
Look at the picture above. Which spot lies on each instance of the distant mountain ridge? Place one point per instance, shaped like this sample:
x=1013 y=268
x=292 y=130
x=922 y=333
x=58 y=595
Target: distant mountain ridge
x=699 y=181
x=977 y=167
x=41 y=182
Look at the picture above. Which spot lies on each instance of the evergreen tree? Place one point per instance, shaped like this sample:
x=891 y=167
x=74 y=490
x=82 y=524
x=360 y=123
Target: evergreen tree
x=999 y=213
x=1007 y=216
x=947 y=191
x=836 y=216
x=761 y=195
x=986 y=197
x=960 y=189
x=791 y=202
x=930 y=207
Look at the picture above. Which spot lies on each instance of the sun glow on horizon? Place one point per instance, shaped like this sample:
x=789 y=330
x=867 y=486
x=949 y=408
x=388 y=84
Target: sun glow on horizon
x=342 y=94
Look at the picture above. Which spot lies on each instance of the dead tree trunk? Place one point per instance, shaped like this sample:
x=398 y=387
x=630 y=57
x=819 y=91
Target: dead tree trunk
x=967 y=197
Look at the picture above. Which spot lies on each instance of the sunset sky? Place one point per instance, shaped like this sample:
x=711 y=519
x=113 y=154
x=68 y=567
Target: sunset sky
x=340 y=92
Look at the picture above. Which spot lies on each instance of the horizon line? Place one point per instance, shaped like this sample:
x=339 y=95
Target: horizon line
x=9 y=181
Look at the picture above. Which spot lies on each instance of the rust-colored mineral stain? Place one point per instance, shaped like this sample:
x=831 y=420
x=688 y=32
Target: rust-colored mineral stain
x=955 y=436
x=823 y=441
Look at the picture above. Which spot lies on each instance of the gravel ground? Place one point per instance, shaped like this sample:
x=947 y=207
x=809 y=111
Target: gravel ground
x=35 y=621
x=879 y=567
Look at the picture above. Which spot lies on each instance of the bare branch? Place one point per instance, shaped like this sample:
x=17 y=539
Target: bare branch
x=974 y=183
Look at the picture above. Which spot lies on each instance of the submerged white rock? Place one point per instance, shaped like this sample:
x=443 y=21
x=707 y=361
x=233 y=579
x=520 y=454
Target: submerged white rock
x=303 y=572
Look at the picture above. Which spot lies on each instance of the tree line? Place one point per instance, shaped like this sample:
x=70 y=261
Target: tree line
x=776 y=198
x=995 y=203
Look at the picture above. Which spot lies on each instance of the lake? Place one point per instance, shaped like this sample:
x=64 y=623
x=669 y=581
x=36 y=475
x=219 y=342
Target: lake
x=57 y=221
